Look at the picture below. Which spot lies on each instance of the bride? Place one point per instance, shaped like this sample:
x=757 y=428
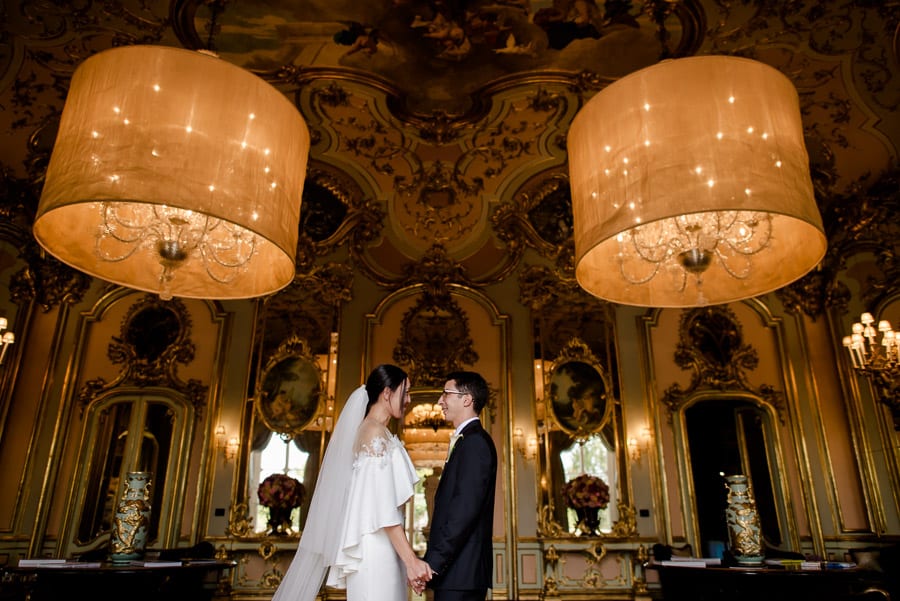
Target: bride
x=365 y=480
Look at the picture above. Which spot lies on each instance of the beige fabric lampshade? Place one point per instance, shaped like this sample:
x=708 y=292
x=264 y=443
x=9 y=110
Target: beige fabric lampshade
x=149 y=130
x=663 y=156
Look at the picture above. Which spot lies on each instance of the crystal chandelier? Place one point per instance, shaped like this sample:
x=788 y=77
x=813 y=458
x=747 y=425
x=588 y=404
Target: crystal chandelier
x=427 y=415
x=175 y=172
x=688 y=244
x=173 y=235
x=690 y=185
x=879 y=362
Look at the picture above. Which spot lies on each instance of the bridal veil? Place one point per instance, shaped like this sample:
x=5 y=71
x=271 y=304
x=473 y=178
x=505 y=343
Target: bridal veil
x=318 y=544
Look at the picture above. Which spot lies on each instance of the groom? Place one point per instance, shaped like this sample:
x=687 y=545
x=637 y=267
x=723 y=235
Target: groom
x=459 y=543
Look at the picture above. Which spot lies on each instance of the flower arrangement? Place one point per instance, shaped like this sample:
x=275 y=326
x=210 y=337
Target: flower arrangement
x=280 y=491
x=586 y=491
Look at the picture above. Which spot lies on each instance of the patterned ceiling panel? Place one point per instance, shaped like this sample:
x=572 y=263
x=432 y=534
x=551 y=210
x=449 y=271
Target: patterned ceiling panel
x=442 y=113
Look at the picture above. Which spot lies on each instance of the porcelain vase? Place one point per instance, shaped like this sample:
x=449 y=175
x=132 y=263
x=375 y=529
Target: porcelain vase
x=131 y=524
x=742 y=519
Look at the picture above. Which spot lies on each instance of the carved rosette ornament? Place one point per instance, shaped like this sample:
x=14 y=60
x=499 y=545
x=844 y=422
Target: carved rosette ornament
x=434 y=340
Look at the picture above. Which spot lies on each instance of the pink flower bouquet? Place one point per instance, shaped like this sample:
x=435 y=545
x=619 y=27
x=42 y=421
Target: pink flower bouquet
x=280 y=491
x=586 y=491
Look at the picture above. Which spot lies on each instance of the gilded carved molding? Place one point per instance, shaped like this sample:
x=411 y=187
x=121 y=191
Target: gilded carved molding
x=239 y=522
x=626 y=525
x=440 y=127
x=539 y=217
x=861 y=220
x=46 y=281
x=434 y=340
x=435 y=270
x=334 y=212
x=43 y=279
x=547 y=527
x=623 y=528
x=841 y=30
x=154 y=338
x=563 y=311
x=711 y=345
x=308 y=308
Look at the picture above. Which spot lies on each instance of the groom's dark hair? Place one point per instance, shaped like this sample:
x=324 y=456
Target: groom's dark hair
x=472 y=383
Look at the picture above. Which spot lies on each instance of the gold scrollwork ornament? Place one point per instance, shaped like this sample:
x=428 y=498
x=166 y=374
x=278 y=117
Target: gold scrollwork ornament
x=267 y=549
x=238 y=521
x=547 y=526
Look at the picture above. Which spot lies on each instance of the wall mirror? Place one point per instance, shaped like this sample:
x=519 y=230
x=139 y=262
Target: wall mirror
x=426 y=436
x=289 y=423
x=579 y=422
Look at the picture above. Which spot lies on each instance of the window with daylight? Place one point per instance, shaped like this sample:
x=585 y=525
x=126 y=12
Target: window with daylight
x=590 y=456
x=277 y=457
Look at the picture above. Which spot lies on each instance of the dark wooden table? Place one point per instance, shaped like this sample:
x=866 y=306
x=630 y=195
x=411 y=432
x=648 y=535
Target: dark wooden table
x=190 y=581
x=682 y=583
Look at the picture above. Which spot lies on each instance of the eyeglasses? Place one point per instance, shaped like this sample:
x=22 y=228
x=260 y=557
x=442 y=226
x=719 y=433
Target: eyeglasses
x=454 y=392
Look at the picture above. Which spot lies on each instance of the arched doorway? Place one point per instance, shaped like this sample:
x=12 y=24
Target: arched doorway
x=731 y=436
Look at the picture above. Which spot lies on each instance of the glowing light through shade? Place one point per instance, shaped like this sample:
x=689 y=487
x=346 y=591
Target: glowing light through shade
x=679 y=227
x=175 y=172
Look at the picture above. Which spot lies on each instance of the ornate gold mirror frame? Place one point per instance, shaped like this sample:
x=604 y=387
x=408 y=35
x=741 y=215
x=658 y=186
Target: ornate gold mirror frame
x=293 y=400
x=577 y=406
x=291 y=389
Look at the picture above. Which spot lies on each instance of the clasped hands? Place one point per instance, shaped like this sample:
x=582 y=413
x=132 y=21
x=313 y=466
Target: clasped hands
x=418 y=574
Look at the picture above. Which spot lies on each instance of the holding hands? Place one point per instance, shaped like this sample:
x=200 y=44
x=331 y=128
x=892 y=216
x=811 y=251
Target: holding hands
x=418 y=573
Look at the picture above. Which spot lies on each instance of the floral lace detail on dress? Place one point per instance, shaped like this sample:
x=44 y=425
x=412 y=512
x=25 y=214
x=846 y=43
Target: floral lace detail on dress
x=378 y=447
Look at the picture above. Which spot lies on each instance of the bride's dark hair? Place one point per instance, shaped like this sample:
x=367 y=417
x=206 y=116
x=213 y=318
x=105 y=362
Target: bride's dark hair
x=383 y=376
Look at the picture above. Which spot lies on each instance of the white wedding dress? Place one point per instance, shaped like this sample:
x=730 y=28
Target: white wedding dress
x=382 y=481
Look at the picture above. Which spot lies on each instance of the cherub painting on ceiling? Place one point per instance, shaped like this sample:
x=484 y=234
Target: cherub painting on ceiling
x=439 y=51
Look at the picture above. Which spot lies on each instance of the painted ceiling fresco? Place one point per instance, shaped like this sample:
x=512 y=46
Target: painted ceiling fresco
x=439 y=53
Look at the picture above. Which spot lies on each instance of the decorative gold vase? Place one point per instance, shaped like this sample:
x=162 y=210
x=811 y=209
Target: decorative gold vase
x=588 y=520
x=131 y=524
x=279 y=520
x=742 y=519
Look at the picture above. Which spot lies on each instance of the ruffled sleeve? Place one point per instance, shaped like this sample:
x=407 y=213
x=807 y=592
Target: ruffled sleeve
x=383 y=481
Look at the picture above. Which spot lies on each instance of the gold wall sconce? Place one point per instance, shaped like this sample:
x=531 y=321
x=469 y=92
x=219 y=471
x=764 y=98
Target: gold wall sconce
x=637 y=448
x=526 y=448
x=228 y=446
x=6 y=340
x=879 y=362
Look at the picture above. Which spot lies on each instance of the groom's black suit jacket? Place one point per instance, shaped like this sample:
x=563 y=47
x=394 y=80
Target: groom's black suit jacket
x=460 y=540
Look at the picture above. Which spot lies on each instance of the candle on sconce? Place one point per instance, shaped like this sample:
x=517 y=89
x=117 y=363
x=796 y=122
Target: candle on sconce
x=332 y=366
x=539 y=379
x=6 y=340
